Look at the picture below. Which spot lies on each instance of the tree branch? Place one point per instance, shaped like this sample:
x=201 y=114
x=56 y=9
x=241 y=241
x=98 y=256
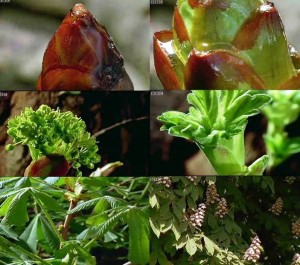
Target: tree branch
x=117 y=125
x=68 y=220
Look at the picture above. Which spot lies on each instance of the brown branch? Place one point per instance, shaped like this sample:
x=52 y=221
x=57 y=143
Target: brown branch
x=68 y=220
x=117 y=125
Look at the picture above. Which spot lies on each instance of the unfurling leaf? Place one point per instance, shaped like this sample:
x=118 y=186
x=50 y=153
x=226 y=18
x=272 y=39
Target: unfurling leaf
x=216 y=123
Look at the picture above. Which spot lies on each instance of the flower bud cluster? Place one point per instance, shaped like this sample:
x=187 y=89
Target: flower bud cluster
x=276 y=208
x=290 y=180
x=198 y=217
x=296 y=228
x=166 y=181
x=254 y=251
x=212 y=195
x=296 y=259
x=222 y=208
x=193 y=179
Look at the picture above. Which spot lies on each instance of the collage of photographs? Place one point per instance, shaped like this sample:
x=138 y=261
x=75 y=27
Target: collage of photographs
x=149 y=132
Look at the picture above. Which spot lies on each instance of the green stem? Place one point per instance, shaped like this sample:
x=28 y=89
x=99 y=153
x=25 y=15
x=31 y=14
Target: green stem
x=228 y=157
x=90 y=243
x=130 y=188
x=145 y=190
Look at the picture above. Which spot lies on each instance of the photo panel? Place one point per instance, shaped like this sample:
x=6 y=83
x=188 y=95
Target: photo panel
x=96 y=169
x=224 y=45
x=225 y=220
x=89 y=45
x=225 y=132
x=74 y=133
x=101 y=220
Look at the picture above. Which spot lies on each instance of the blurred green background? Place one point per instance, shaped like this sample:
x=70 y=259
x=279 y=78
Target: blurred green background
x=161 y=19
x=26 y=27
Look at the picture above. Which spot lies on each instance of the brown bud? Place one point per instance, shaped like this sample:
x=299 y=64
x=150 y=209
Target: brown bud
x=168 y=66
x=50 y=165
x=82 y=56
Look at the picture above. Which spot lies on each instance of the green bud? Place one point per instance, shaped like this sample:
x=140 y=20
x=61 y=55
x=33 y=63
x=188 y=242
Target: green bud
x=9 y=147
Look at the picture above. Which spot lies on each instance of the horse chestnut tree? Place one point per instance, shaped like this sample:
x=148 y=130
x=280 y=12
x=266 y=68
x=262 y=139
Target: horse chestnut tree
x=225 y=220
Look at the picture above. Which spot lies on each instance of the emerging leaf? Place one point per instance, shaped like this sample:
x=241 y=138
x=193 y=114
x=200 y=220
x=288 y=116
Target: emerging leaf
x=216 y=122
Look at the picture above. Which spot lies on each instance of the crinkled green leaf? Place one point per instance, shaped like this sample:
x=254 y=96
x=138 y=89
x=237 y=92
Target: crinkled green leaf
x=46 y=131
x=215 y=114
x=216 y=123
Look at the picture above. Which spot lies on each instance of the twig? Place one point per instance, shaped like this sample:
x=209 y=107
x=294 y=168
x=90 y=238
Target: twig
x=117 y=125
x=68 y=220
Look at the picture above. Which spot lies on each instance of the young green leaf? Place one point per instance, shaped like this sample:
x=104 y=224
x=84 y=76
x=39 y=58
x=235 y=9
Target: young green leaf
x=214 y=114
x=19 y=253
x=8 y=232
x=100 y=230
x=139 y=244
x=284 y=110
x=47 y=200
x=209 y=245
x=17 y=210
x=30 y=234
x=49 y=233
x=191 y=247
x=98 y=216
x=84 y=205
x=258 y=166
